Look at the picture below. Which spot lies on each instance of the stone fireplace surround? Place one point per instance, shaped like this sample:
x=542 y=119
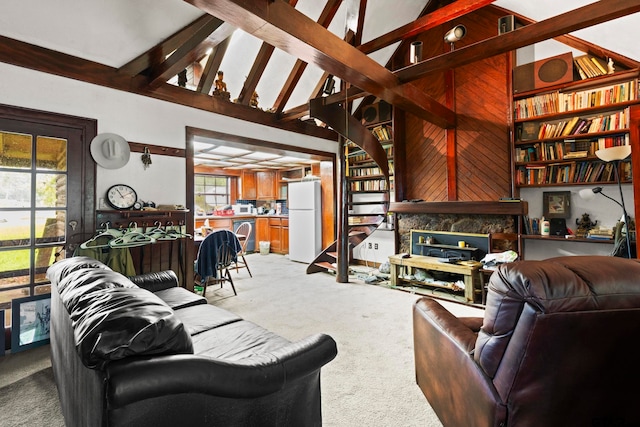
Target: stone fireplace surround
x=461 y=217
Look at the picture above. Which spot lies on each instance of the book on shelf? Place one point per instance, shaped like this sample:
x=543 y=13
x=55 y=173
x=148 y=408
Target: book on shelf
x=590 y=66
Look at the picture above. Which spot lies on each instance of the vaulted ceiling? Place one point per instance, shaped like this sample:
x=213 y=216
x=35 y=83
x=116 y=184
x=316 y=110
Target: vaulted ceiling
x=284 y=50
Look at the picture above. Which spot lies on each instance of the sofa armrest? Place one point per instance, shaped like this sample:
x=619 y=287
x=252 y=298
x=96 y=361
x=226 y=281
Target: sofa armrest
x=150 y=377
x=156 y=281
x=455 y=386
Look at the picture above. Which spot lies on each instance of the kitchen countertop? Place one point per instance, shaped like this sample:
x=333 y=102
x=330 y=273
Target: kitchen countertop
x=241 y=216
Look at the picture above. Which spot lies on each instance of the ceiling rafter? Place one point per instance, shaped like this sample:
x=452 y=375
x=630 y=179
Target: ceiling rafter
x=280 y=25
x=426 y=22
x=191 y=50
x=212 y=66
x=260 y=63
x=159 y=52
x=583 y=17
x=327 y=15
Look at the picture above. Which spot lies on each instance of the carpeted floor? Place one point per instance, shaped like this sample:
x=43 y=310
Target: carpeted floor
x=371 y=382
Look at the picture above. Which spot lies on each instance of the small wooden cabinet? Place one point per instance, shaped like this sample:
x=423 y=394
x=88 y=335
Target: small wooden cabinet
x=284 y=236
x=266 y=185
x=274 y=230
x=262 y=229
x=275 y=235
x=248 y=186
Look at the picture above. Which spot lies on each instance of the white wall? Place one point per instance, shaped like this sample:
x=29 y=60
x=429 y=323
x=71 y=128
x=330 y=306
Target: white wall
x=384 y=239
x=600 y=209
x=137 y=119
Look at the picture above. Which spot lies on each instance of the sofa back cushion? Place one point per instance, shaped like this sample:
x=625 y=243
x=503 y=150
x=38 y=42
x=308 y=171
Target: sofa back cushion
x=113 y=318
x=115 y=323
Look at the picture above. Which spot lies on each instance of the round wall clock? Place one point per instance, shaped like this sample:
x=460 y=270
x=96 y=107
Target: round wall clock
x=121 y=196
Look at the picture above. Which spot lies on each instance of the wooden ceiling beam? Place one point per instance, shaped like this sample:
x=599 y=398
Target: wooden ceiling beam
x=259 y=64
x=250 y=83
x=325 y=19
x=159 y=52
x=431 y=20
x=211 y=67
x=44 y=60
x=580 y=44
x=582 y=17
x=280 y=25
x=191 y=50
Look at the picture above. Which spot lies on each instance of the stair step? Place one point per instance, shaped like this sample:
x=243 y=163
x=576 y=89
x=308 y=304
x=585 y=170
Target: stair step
x=332 y=254
x=356 y=233
x=373 y=202
x=326 y=265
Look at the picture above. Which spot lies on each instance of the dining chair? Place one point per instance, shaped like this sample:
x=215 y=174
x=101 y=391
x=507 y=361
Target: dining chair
x=217 y=252
x=243 y=232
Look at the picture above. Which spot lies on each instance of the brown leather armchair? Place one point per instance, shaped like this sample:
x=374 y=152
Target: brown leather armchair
x=558 y=346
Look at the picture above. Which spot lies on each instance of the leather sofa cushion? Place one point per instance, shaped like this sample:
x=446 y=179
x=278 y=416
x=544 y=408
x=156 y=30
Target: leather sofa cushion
x=120 y=322
x=203 y=317
x=237 y=341
x=178 y=298
x=80 y=284
x=60 y=270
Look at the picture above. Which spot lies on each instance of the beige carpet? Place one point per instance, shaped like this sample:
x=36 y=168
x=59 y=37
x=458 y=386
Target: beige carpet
x=370 y=383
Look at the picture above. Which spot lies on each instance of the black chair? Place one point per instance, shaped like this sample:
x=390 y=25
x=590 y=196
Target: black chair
x=217 y=253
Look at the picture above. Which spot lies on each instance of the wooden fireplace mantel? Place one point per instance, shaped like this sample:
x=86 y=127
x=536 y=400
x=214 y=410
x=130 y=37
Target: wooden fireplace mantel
x=478 y=208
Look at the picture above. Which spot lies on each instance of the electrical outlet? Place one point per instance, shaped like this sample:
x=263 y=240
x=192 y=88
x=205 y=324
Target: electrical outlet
x=375 y=246
x=369 y=245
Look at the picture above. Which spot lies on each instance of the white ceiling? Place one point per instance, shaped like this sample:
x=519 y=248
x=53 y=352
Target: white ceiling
x=116 y=31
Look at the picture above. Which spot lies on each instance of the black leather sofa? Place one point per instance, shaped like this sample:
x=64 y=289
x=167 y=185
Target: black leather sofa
x=142 y=351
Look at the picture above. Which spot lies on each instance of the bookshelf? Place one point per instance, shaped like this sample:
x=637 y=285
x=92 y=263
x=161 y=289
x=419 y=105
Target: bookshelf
x=368 y=193
x=557 y=131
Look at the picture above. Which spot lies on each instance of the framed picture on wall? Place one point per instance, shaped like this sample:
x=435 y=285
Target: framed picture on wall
x=556 y=204
x=30 y=322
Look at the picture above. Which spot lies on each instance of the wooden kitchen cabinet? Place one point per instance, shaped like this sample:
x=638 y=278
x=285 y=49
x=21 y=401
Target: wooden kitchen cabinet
x=266 y=185
x=275 y=235
x=248 y=186
x=262 y=230
x=284 y=236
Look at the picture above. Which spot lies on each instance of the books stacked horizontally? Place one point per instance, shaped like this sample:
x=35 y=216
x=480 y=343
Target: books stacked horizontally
x=600 y=233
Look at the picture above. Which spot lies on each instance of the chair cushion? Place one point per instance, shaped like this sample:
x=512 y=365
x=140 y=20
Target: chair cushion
x=115 y=323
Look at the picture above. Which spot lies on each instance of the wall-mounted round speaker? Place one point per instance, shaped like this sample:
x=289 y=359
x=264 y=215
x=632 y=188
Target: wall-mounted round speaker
x=553 y=70
x=370 y=113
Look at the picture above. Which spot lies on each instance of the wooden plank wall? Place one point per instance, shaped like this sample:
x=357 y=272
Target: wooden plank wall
x=481 y=101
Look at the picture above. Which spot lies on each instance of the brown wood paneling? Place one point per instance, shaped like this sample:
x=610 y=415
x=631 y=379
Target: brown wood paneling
x=482 y=143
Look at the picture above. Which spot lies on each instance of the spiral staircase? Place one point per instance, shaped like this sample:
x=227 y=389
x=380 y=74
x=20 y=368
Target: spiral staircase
x=360 y=225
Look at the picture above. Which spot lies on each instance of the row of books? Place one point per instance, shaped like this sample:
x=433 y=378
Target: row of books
x=568 y=148
x=368 y=171
x=559 y=150
x=575 y=126
x=539 y=105
x=571 y=173
x=590 y=66
x=373 y=185
x=556 y=102
x=382 y=132
x=613 y=94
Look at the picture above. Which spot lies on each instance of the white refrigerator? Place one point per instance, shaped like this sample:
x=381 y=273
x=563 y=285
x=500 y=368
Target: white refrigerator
x=305 y=220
